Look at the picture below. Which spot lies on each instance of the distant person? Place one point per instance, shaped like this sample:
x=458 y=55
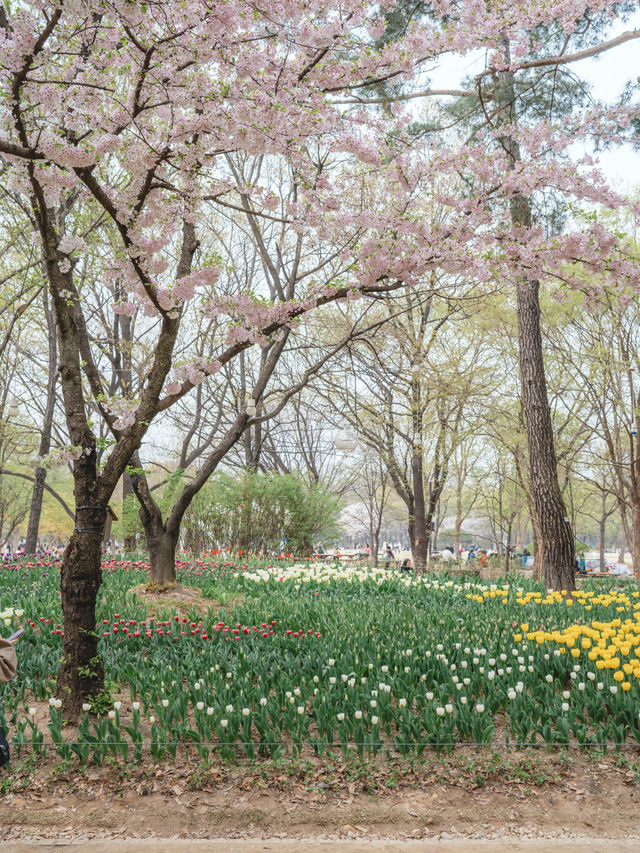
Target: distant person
x=388 y=555
x=525 y=555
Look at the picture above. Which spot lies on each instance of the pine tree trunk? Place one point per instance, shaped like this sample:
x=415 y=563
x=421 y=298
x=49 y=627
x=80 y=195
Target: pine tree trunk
x=551 y=515
x=555 y=531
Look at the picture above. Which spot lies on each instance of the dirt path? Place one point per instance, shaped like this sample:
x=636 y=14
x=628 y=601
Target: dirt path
x=439 y=817
x=517 y=801
x=329 y=845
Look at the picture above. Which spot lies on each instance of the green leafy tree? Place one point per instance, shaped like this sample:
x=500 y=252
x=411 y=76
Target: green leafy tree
x=260 y=513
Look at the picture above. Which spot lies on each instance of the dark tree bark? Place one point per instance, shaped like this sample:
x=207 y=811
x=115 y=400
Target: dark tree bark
x=81 y=674
x=556 y=537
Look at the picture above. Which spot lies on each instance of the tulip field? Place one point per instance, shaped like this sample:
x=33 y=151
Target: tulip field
x=314 y=658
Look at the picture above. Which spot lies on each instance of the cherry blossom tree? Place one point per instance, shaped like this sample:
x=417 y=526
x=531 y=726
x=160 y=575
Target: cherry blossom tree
x=128 y=111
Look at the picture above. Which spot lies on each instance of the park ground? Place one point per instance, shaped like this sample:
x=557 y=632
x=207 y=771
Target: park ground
x=532 y=800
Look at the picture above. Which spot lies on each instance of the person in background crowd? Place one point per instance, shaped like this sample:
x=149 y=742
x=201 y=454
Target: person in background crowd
x=388 y=554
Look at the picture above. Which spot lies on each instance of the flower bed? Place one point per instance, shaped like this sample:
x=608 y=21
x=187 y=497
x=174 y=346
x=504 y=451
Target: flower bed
x=322 y=657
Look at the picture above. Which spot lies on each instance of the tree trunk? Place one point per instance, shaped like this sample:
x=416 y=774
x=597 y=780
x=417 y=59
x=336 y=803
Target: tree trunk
x=130 y=539
x=434 y=528
x=161 y=546
x=603 y=527
x=410 y=533
x=35 y=511
x=635 y=538
x=161 y=541
x=555 y=531
x=420 y=542
x=124 y=325
x=625 y=525
x=162 y=556
x=456 y=538
x=37 y=495
x=81 y=673
x=507 y=552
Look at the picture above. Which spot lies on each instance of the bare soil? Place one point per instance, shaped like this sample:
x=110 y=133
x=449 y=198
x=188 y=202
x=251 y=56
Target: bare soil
x=177 y=601
x=483 y=796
